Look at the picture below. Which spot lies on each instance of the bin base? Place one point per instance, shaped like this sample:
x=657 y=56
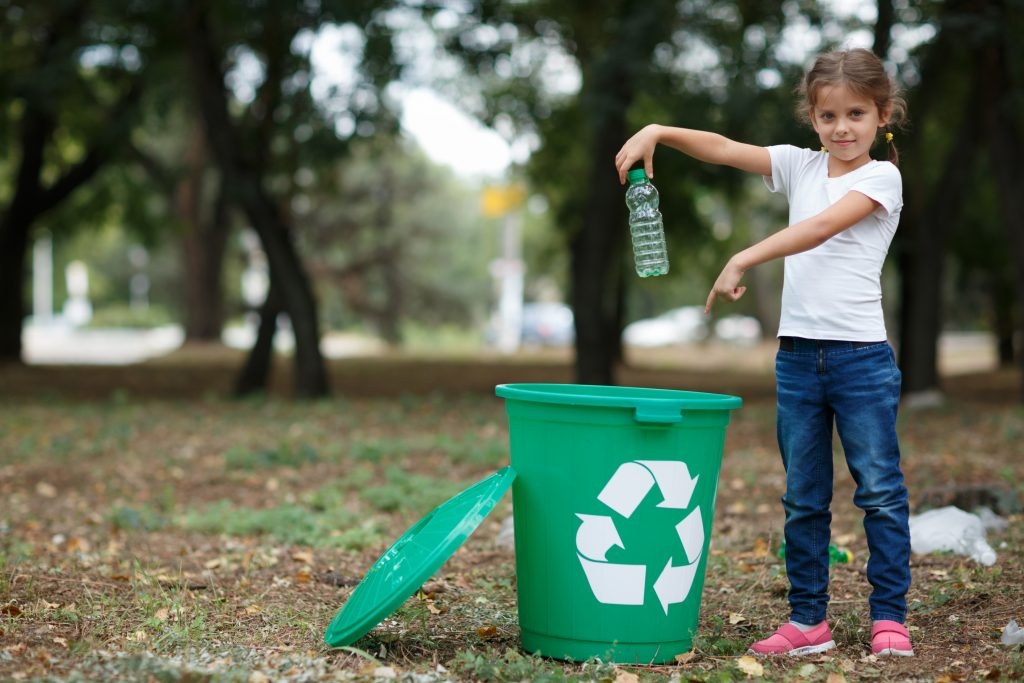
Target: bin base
x=662 y=652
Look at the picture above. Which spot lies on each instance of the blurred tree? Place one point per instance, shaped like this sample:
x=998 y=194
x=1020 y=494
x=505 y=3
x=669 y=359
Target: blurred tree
x=967 y=114
x=256 y=149
x=172 y=149
x=61 y=121
x=375 y=228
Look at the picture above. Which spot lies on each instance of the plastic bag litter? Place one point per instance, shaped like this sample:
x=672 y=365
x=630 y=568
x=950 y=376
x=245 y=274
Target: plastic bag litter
x=950 y=528
x=1012 y=634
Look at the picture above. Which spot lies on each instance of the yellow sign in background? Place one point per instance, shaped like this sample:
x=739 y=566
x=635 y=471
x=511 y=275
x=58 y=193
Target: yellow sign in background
x=499 y=200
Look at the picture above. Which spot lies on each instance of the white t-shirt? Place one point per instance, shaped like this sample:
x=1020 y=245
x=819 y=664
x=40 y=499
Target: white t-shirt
x=834 y=291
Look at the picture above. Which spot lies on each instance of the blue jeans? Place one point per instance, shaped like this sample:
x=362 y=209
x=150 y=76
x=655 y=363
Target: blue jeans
x=857 y=388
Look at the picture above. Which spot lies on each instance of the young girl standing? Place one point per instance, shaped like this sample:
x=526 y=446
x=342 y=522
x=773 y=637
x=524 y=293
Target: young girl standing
x=834 y=365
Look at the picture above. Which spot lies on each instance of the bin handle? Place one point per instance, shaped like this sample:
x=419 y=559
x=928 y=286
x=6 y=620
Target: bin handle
x=658 y=415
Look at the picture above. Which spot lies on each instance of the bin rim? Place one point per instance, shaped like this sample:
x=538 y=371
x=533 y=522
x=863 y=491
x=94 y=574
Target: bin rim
x=615 y=396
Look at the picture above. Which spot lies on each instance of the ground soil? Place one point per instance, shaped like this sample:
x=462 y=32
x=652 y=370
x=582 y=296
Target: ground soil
x=972 y=442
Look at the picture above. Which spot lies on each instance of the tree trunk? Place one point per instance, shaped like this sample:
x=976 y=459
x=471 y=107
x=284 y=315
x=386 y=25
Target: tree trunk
x=14 y=229
x=31 y=200
x=245 y=184
x=203 y=243
x=1005 y=144
x=925 y=230
x=883 y=28
x=928 y=215
x=255 y=376
x=597 y=270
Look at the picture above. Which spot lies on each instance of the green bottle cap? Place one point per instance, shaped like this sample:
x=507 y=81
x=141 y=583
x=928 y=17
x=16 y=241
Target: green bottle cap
x=637 y=175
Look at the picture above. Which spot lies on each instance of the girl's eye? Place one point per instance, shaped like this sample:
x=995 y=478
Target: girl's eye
x=856 y=113
x=826 y=116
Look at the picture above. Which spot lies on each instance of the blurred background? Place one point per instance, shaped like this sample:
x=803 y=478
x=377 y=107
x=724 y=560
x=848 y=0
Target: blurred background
x=334 y=178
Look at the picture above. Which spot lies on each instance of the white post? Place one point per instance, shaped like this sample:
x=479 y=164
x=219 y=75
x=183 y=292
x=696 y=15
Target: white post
x=510 y=301
x=42 y=280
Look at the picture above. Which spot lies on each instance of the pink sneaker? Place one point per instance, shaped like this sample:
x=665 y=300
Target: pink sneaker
x=890 y=638
x=789 y=640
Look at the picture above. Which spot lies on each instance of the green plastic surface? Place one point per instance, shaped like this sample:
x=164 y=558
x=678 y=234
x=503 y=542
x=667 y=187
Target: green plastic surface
x=414 y=558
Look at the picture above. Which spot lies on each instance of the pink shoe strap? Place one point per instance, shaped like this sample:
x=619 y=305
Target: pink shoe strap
x=887 y=626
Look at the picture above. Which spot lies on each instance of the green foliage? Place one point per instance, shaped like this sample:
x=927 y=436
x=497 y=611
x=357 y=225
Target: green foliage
x=285 y=455
x=292 y=524
x=512 y=665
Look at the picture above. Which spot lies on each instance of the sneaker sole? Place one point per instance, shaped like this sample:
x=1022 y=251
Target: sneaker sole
x=890 y=652
x=798 y=651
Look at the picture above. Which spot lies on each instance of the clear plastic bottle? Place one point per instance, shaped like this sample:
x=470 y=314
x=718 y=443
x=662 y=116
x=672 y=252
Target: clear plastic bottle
x=646 y=229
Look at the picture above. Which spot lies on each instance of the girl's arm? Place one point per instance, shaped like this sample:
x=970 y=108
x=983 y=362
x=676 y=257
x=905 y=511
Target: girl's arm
x=701 y=145
x=799 y=237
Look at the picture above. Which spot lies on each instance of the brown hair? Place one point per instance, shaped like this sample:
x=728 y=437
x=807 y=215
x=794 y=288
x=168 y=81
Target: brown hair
x=862 y=72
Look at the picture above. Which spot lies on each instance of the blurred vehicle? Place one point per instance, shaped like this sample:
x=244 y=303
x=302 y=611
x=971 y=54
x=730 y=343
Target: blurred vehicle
x=547 y=324
x=738 y=329
x=678 y=326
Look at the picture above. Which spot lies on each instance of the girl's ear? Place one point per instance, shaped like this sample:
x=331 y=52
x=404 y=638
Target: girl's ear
x=883 y=117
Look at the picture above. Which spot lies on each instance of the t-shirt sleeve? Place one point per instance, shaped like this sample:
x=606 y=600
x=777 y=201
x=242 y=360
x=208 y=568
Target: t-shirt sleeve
x=782 y=158
x=884 y=185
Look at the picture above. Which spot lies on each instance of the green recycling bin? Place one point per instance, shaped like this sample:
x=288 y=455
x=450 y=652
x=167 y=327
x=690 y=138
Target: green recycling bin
x=613 y=501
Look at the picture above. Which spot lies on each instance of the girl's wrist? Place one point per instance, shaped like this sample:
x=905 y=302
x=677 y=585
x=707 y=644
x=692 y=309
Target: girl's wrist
x=739 y=263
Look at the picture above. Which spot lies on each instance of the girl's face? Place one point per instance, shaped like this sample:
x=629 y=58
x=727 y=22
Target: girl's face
x=847 y=124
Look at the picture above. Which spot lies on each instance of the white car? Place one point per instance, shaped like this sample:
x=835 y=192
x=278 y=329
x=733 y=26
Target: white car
x=678 y=326
x=738 y=329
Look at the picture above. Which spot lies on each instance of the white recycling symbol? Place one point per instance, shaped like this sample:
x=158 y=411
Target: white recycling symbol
x=625 y=584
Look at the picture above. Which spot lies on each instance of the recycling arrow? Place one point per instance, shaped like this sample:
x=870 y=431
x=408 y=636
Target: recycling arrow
x=674 y=582
x=630 y=484
x=596 y=536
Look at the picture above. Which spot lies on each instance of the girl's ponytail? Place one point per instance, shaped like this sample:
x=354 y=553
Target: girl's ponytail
x=894 y=155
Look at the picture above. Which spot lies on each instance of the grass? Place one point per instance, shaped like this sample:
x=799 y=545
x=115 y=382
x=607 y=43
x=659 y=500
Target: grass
x=166 y=539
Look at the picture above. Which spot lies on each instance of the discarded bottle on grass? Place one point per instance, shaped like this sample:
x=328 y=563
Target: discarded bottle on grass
x=835 y=555
x=646 y=229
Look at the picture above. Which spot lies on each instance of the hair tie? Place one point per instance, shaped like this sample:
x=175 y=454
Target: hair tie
x=888 y=136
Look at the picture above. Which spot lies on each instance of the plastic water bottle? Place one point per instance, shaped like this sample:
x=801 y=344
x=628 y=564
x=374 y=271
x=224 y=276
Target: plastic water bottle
x=645 y=225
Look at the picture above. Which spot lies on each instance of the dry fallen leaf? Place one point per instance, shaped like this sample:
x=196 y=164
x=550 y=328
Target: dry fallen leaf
x=686 y=657
x=304 y=556
x=487 y=631
x=736 y=618
x=835 y=677
x=750 y=666
x=623 y=676
x=46 y=490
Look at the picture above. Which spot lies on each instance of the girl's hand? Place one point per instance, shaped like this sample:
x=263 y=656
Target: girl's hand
x=639 y=147
x=727 y=285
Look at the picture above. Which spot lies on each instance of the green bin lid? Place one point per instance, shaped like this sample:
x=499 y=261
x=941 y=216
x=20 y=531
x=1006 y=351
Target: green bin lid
x=414 y=558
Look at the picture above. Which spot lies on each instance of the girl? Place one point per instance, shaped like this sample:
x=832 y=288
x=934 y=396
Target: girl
x=834 y=365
